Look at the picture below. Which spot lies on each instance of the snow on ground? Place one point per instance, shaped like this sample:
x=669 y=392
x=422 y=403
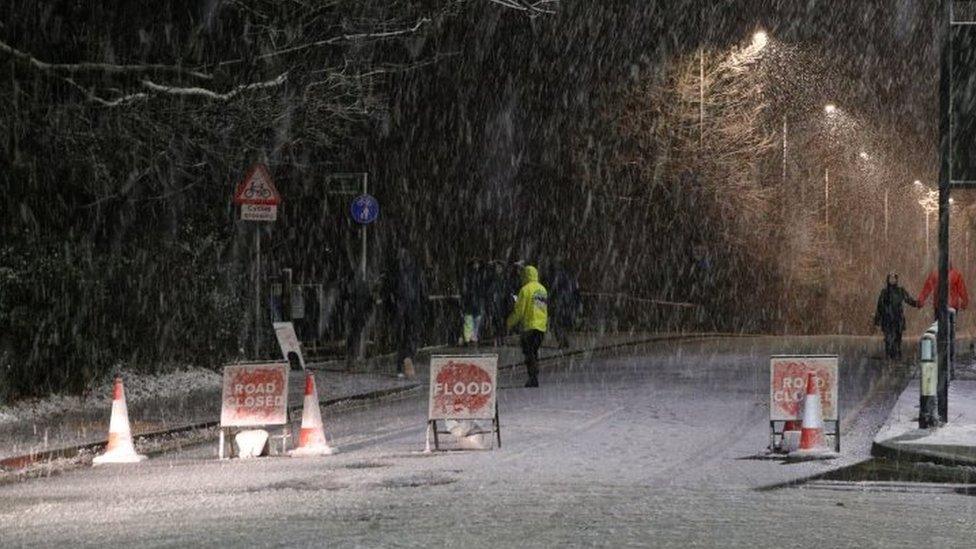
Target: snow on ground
x=657 y=449
x=961 y=430
x=138 y=387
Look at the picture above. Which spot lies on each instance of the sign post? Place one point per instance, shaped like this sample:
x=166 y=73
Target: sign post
x=787 y=390
x=259 y=199
x=254 y=395
x=364 y=209
x=463 y=388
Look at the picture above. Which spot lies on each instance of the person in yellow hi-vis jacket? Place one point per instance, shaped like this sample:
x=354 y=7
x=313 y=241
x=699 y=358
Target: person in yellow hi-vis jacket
x=531 y=317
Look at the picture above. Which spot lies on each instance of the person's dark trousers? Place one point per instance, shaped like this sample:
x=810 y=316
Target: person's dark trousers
x=897 y=344
x=353 y=345
x=891 y=340
x=407 y=337
x=531 y=341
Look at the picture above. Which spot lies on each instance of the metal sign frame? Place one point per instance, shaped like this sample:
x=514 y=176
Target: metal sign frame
x=433 y=431
x=226 y=428
x=288 y=342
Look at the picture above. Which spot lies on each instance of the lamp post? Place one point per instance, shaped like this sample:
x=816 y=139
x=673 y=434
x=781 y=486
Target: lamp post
x=929 y=202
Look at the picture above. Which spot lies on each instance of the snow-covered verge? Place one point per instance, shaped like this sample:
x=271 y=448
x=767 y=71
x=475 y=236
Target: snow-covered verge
x=138 y=387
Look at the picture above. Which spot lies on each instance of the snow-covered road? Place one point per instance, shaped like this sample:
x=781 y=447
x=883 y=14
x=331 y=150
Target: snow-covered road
x=655 y=447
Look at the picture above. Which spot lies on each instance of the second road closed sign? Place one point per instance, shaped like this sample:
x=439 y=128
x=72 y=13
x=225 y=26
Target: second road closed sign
x=788 y=385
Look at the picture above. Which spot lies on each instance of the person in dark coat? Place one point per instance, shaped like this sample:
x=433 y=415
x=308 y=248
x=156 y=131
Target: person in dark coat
x=565 y=302
x=407 y=298
x=472 y=300
x=890 y=314
x=358 y=302
x=498 y=299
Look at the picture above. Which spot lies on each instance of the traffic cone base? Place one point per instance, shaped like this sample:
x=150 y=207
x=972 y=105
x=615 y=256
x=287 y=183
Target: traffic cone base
x=311 y=436
x=120 y=448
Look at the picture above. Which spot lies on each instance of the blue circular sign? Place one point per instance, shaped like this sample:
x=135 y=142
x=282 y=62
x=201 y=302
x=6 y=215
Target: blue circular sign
x=364 y=209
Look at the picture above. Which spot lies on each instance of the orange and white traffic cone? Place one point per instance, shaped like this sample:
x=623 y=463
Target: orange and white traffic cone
x=812 y=442
x=311 y=436
x=120 y=448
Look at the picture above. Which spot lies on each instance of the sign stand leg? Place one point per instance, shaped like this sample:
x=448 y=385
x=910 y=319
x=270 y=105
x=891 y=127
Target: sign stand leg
x=220 y=449
x=433 y=427
x=498 y=427
x=427 y=443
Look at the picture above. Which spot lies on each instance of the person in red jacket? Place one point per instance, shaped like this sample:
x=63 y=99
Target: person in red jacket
x=958 y=300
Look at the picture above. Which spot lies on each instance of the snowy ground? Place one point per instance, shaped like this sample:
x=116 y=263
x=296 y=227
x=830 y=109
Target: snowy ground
x=155 y=403
x=656 y=448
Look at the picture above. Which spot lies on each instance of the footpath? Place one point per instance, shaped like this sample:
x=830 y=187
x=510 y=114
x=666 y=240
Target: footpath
x=952 y=444
x=167 y=407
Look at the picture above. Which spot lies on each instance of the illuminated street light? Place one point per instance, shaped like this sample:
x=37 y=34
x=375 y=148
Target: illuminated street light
x=918 y=184
x=830 y=108
x=864 y=155
x=759 y=40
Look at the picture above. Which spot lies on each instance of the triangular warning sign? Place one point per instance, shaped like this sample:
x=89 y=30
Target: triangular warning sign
x=257 y=188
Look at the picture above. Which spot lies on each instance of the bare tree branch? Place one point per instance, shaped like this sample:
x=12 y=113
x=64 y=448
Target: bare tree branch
x=345 y=38
x=84 y=67
x=533 y=7
x=202 y=92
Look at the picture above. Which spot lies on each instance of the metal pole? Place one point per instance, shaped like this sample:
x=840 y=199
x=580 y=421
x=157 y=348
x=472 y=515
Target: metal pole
x=701 y=98
x=362 y=257
x=784 y=151
x=886 y=216
x=945 y=91
x=257 y=290
x=827 y=197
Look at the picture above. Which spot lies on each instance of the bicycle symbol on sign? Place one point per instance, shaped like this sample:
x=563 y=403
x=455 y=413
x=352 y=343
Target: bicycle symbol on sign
x=254 y=190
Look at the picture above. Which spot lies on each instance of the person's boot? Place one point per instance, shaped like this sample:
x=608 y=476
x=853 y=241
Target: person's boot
x=533 y=372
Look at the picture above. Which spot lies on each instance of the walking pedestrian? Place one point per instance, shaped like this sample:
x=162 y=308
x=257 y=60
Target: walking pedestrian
x=497 y=301
x=890 y=314
x=530 y=316
x=566 y=302
x=958 y=301
x=407 y=296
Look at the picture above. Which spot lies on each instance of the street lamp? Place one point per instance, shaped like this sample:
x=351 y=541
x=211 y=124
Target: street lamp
x=930 y=204
x=759 y=40
x=830 y=108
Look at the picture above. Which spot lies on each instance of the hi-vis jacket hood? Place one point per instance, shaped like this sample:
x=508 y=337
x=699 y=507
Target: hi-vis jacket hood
x=531 y=305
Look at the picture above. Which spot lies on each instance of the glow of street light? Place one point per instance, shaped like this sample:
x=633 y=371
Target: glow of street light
x=918 y=183
x=864 y=155
x=830 y=108
x=759 y=40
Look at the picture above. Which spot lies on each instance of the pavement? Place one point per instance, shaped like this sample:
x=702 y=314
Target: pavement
x=83 y=427
x=952 y=444
x=654 y=445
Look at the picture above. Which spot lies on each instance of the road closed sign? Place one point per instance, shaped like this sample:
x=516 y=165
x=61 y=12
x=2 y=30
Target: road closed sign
x=788 y=385
x=463 y=387
x=254 y=394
